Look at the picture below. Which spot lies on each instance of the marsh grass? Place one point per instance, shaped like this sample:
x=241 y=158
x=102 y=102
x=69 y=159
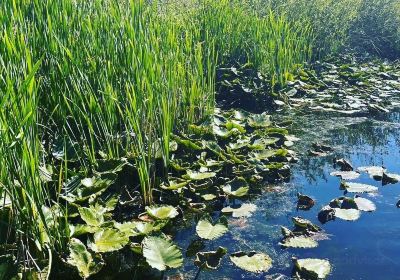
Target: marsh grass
x=110 y=79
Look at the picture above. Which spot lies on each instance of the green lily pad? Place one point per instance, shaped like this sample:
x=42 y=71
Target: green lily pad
x=267 y=154
x=259 y=120
x=305 y=224
x=161 y=253
x=364 y=204
x=299 y=242
x=347 y=214
x=196 y=176
x=357 y=187
x=87 y=263
x=162 y=212
x=174 y=184
x=77 y=230
x=208 y=197
x=206 y=229
x=252 y=261
x=245 y=210
x=137 y=228
x=91 y=216
x=108 y=240
x=313 y=268
x=237 y=187
x=211 y=259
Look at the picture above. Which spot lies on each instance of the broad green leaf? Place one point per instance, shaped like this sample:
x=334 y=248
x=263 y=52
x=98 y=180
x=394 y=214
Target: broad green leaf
x=86 y=262
x=259 y=120
x=193 y=175
x=266 y=154
x=313 y=268
x=299 y=242
x=245 y=210
x=161 y=253
x=77 y=230
x=252 y=261
x=137 y=228
x=162 y=212
x=206 y=229
x=91 y=216
x=211 y=259
x=237 y=187
x=108 y=240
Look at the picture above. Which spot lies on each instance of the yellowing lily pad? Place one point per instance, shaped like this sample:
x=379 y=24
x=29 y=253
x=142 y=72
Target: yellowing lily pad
x=193 y=175
x=206 y=229
x=162 y=212
x=252 y=261
x=313 y=268
x=299 y=242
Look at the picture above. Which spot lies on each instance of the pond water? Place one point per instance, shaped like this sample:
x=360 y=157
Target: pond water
x=365 y=249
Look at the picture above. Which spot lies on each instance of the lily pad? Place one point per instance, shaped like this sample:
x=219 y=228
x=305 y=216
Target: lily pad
x=193 y=175
x=305 y=224
x=299 y=242
x=376 y=172
x=161 y=253
x=91 y=216
x=364 y=204
x=206 y=229
x=237 y=187
x=313 y=268
x=211 y=259
x=245 y=210
x=137 y=228
x=208 y=197
x=163 y=212
x=259 y=120
x=87 y=263
x=108 y=240
x=347 y=214
x=252 y=261
x=358 y=187
x=346 y=175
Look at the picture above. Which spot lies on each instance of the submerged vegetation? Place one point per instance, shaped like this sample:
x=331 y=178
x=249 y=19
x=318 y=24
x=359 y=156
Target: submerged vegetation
x=110 y=129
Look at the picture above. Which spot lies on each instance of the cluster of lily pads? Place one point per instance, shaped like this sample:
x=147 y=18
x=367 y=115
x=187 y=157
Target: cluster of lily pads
x=212 y=164
x=306 y=234
x=346 y=85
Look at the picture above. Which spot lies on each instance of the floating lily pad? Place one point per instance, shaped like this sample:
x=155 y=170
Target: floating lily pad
x=364 y=204
x=193 y=175
x=211 y=259
x=208 y=197
x=108 y=240
x=245 y=210
x=206 y=229
x=174 y=184
x=375 y=172
x=358 y=187
x=91 y=216
x=266 y=154
x=259 y=120
x=137 y=228
x=347 y=214
x=87 y=263
x=252 y=261
x=313 y=268
x=299 y=242
x=163 y=212
x=161 y=253
x=346 y=175
x=237 y=187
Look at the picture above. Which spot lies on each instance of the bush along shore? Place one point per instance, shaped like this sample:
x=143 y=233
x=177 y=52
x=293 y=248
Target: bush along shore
x=119 y=119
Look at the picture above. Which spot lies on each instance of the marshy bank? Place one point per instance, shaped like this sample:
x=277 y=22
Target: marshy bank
x=152 y=139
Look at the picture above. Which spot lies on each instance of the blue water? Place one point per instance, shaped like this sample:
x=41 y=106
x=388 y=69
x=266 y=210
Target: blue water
x=368 y=248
